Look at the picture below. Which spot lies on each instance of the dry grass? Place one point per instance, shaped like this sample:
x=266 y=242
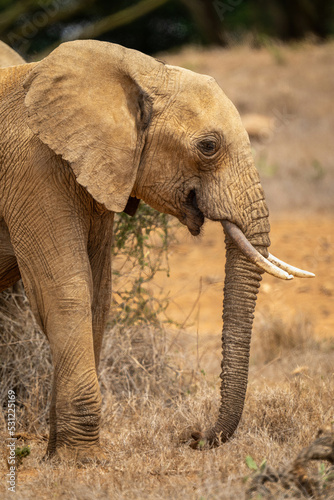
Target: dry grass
x=150 y=405
x=274 y=336
x=25 y=361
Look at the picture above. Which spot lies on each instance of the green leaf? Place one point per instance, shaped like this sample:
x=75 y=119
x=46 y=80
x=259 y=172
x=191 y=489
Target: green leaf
x=322 y=468
x=22 y=452
x=251 y=464
x=201 y=444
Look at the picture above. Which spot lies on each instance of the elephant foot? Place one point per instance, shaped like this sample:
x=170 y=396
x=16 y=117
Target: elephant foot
x=78 y=456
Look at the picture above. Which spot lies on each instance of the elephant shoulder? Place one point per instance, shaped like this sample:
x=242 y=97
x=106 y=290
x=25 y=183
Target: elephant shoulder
x=8 y=56
x=11 y=82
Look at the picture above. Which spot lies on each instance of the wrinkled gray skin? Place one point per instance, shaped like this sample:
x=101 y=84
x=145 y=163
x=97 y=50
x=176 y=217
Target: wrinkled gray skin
x=82 y=131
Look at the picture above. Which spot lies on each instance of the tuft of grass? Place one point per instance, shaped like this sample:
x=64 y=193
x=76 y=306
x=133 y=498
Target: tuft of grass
x=25 y=362
x=290 y=412
x=274 y=336
x=21 y=453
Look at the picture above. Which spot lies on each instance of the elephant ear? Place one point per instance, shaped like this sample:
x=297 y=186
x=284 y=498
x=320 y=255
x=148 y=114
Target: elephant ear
x=84 y=104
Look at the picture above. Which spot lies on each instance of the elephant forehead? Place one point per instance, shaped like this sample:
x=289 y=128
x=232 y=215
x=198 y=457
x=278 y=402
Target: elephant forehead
x=200 y=97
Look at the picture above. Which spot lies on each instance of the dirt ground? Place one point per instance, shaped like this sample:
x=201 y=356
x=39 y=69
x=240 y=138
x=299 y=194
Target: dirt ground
x=196 y=277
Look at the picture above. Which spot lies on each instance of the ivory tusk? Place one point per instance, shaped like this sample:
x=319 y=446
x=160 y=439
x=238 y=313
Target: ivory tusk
x=299 y=273
x=238 y=237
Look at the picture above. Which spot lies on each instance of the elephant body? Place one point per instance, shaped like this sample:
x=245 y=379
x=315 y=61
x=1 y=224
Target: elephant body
x=8 y=264
x=85 y=133
x=8 y=56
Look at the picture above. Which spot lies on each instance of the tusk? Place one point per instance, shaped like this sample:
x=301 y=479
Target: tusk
x=238 y=237
x=299 y=273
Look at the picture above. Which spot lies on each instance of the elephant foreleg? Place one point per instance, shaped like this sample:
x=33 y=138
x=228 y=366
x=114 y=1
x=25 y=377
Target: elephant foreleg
x=9 y=271
x=57 y=276
x=99 y=252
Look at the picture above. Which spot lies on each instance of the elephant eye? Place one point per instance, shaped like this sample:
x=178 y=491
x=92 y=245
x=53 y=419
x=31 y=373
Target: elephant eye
x=208 y=147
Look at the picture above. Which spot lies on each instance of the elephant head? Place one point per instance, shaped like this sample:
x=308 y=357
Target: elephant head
x=132 y=126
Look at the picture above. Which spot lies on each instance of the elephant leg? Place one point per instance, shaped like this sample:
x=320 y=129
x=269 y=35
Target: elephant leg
x=99 y=251
x=57 y=276
x=9 y=271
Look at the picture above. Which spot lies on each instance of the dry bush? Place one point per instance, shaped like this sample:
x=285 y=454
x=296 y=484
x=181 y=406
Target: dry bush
x=136 y=361
x=292 y=410
x=25 y=361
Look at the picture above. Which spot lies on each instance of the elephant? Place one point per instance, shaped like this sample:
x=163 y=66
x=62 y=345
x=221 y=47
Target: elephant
x=88 y=132
x=8 y=56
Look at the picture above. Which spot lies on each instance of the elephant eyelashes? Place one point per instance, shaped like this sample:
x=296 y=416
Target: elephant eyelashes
x=208 y=147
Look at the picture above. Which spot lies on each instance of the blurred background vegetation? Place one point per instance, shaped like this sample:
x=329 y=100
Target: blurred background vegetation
x=34 y=27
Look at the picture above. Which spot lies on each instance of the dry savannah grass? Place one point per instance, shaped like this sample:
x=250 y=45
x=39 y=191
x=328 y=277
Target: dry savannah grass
x=153 y=395
x=160 y=381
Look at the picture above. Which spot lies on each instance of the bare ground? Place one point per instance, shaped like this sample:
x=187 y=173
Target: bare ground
x=291 y=386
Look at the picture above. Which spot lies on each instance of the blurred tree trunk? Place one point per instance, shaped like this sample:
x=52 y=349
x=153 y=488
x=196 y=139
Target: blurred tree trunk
x=43 y=17
x=207 y=21
x=297 y=19
x=121 y=18
x=109 y=23
x=15 y=10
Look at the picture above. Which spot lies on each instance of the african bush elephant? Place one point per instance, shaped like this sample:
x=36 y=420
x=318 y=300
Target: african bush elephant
x=8 y=56
x=86 y=132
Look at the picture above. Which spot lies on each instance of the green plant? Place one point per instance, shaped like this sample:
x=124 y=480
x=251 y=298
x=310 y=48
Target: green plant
x=21 y=453
x=318 y=170
x=252 y=465
x=326 y=476
x=272 y=47
x=140 y=251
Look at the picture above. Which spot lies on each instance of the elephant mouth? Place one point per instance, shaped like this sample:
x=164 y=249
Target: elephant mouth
x=193 y=218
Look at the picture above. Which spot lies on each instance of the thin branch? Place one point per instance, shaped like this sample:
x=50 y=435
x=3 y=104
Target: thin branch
x=10 y=15
x=109 y=23
x=121 y=18
x=52 y=15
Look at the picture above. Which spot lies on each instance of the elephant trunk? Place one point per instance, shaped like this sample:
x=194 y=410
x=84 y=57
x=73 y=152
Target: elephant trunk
x=243 y=274
x=242 y=282
x=244 y=267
